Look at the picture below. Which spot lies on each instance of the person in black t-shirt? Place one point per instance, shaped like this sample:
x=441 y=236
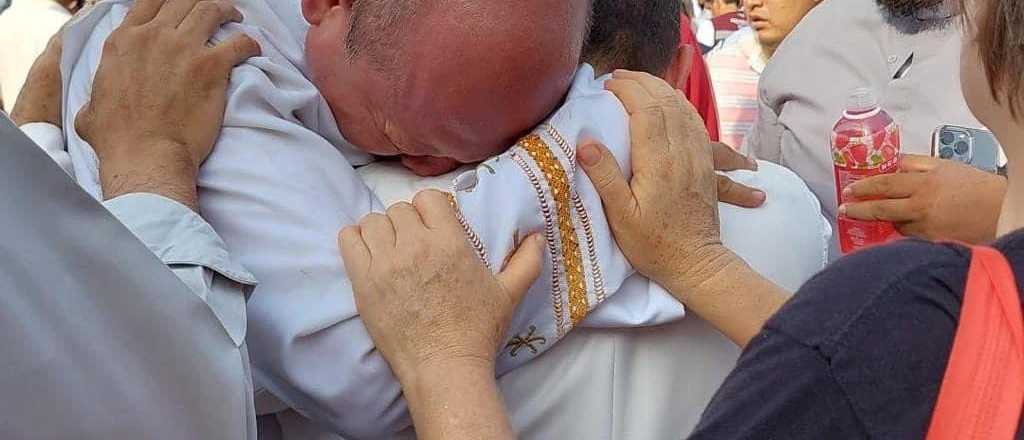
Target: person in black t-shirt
x=861 y=350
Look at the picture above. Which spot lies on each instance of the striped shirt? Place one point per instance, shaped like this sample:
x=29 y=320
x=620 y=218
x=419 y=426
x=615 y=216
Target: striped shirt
x=735 y=69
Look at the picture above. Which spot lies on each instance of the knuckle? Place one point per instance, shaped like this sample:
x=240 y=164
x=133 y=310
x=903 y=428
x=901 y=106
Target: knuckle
x=208 y=10
x=726 y=186
x=430 y=197
x=205 y=66
x=883 y=186
x=370 y=219
x=398 y=207
x=84 y=122
x=113 y=43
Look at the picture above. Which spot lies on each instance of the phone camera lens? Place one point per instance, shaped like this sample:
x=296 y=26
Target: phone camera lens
x=946 y=138
x=961 y=148
x=946 y=153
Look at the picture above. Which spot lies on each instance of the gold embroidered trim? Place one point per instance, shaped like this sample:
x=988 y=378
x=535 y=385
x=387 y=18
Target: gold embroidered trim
x=581 y=212
x=558 y=182
x=549 y=235
x=474 y=238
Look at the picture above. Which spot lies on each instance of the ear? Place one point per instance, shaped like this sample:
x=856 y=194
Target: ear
x=316 y=10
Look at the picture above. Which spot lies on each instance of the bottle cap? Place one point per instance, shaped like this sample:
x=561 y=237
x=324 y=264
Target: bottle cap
x=861 y=100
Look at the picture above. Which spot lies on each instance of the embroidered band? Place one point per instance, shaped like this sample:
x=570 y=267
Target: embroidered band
x=558 y=182
x=584 y=217
x=550 y=231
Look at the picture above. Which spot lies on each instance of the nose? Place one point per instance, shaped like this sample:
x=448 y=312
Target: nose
x=751 y=4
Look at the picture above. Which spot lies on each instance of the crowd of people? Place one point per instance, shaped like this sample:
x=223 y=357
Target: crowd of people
x=564 y=219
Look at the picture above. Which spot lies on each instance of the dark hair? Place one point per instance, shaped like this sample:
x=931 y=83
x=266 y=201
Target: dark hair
x=1000 y=37
x=633 y=34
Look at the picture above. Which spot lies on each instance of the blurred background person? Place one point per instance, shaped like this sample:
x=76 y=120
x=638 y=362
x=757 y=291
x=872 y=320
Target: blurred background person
x=27 y=26
x=703 y=27
x=908 y=52
x=625 y=35
x=728 y=18
x=696 y=83
x=737 y=63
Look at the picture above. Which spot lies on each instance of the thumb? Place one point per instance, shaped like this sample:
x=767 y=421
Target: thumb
x=603 y=170
x=523 y=267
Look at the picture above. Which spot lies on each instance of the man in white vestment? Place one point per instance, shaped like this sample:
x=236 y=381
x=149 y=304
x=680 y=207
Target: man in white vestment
x=282 y=181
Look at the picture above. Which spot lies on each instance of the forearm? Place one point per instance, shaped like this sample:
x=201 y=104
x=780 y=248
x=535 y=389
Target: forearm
x=457 y=400
x=724 y=290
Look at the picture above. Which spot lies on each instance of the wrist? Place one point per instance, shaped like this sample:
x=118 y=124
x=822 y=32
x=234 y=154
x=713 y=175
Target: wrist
x=430 y=373
x=436 y=381
x=162 y=168
x=692 y=274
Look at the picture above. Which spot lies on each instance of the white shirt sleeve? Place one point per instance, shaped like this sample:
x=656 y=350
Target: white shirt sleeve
x=50 y=138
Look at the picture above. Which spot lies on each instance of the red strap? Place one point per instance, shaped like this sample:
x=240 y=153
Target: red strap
x=983 y=389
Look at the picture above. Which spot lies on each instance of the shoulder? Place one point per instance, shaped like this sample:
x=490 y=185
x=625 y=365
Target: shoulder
x=862 y=282
x=805 y=53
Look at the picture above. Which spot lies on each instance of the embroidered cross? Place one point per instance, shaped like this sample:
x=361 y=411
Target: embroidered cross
x=520 y=342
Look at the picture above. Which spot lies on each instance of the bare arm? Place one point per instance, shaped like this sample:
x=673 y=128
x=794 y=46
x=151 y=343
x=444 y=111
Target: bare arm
x=721 y=288
x=683 y=254
x=457 y=399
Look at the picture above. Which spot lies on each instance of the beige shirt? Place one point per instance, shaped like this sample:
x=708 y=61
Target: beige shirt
x=25 y=28
x=839 y=46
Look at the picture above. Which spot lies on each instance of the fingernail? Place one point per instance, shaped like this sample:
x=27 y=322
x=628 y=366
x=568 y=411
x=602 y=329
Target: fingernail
x=753 y=164
x=760 y=196
x=847 y=192
x=842 y=210
x=589 y=155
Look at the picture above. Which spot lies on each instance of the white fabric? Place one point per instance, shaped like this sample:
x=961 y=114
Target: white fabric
x=705 y=31
x=50 y=138
x=280 y=184
x=25 y=28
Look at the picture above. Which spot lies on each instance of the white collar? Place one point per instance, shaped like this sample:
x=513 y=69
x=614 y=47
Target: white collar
x=756 y=57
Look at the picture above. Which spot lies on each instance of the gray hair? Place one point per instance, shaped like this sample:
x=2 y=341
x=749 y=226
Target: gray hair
x=375 y=26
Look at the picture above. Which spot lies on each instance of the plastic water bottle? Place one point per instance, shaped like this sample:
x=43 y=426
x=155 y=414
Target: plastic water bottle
x=865 y=143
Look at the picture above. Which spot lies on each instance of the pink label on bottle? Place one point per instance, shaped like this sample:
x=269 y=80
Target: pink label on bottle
x=856 y=158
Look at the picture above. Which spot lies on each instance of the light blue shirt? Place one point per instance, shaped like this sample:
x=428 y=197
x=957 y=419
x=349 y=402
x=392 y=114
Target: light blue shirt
x=193 y=251
x=97 y=338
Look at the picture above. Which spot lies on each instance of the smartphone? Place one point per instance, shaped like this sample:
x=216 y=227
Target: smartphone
x=972 y=146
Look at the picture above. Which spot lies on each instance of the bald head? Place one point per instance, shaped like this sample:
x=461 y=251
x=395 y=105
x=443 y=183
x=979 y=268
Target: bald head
x=456 y=80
